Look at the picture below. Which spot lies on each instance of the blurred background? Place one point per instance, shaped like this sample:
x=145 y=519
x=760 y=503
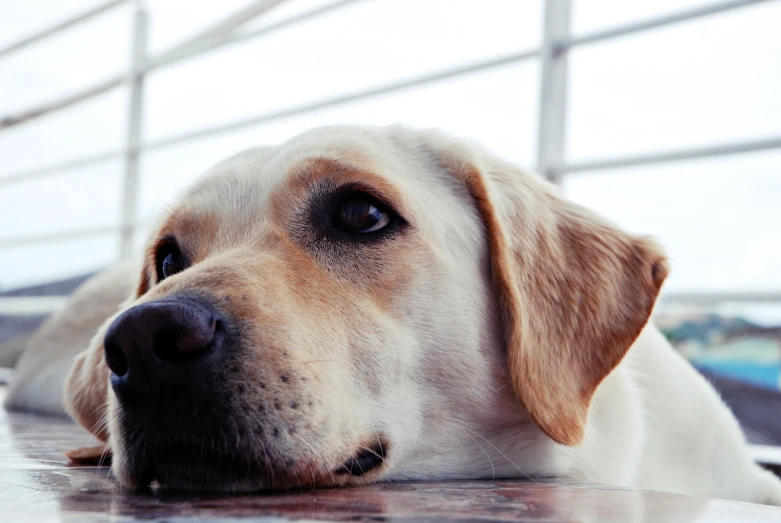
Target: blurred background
x=664 y=116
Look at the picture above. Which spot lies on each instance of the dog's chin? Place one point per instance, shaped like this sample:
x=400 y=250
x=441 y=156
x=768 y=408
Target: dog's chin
x=192 y=468
x=197 y=478
x=196 y=469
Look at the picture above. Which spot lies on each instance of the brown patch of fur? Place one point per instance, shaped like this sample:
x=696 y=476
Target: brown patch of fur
x=86 y=389
x=194 y=232
x=313 y=170
x=144 y=283
x=380 y=287
x=575 y=292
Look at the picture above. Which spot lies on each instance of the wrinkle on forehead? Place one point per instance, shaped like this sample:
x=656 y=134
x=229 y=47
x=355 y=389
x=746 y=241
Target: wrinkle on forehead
x=314 y=170
x=263 y=187
x=240 y=186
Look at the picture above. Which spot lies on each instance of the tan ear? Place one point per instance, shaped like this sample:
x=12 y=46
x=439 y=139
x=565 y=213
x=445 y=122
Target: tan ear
x=575 y=291
x=86 y=388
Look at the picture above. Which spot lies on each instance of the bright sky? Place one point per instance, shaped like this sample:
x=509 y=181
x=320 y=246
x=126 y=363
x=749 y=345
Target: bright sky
x=712 y=80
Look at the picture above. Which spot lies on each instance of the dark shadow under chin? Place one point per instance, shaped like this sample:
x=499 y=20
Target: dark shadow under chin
x=192 y=468
x=197 y=468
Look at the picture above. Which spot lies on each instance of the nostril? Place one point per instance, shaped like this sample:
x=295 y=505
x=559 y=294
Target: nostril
x=116 y=359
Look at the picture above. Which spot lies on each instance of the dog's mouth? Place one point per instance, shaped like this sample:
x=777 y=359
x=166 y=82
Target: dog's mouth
x=363 y=462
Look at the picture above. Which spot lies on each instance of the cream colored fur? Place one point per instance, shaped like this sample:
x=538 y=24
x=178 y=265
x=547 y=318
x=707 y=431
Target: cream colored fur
x=503 y=335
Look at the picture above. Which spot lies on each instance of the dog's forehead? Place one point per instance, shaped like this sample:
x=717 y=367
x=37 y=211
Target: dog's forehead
x=240 y=193
x=247 y=180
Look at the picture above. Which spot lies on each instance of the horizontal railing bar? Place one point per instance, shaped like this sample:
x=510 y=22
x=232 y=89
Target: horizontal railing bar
x=118 y=79
x=716 y=297
x=30 y=305
x=671 y=156
x=21 y=241
x=218 y=30
x=191 y=47
x=575 y=168
x=342 y=99
x=61 y=26
x=654 y=23
x=177 y=53
x=70 y=234
x=235 y=38
x=765 y=454
x=66 y=101
x=48 y=170
x=291 y=111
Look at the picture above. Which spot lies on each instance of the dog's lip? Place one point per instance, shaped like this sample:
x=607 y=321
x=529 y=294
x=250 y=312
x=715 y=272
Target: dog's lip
x=364 y=461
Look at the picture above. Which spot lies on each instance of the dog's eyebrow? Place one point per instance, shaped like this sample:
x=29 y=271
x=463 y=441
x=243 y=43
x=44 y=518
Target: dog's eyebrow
x=318 y=169
x=193 y=230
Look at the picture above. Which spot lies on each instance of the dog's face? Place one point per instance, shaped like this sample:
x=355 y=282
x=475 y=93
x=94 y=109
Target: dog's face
x=358 y=305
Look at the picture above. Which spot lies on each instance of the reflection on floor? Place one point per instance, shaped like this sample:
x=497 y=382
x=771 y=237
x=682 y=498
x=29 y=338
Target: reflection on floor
x=37 y=485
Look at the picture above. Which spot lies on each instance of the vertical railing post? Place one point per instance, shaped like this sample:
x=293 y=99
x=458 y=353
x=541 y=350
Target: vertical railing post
x=551 y=137
x=130 y=187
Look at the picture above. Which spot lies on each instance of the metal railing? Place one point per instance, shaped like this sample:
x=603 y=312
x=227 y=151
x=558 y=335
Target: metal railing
x=553 y=54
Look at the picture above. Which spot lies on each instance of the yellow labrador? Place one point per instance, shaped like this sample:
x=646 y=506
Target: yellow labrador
x=364 y=305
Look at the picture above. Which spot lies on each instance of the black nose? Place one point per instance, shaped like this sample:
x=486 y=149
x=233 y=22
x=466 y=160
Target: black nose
x=159 y=344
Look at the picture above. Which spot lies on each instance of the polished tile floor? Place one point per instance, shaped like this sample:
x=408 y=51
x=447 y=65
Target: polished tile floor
x=37 y=485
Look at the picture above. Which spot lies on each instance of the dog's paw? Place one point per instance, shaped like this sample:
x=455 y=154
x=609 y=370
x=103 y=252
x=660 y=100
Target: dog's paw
x=98 y=455
x=769 y=489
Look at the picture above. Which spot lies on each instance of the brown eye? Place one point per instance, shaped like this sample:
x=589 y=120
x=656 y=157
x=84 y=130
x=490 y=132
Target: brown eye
x=170 y=261
x=360 y=216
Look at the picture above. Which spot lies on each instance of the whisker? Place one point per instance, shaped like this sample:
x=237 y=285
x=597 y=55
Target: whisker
x=103 y=456
x=315 y=361
x=153 y=197
x=504 y=455
x=298 y=480
x=493 y=470
x=267 y=460
x=379 y=442
x=371 y=450
x=315 y=454
x=507 y=382
x=98 y=427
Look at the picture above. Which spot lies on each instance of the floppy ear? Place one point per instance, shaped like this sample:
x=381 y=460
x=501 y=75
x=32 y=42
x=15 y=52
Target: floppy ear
x=574 y=290
x=86 y=387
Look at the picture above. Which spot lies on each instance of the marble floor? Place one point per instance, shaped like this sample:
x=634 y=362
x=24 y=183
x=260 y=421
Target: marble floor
x=37 y=485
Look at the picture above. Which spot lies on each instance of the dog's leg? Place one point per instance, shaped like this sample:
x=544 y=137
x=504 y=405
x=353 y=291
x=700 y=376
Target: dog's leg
x=694 y=443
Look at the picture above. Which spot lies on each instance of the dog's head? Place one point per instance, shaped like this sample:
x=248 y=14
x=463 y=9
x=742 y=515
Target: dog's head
x=361 y=304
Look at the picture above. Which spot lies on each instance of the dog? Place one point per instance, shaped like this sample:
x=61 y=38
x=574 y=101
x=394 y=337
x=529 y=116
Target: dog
x=388 y=304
